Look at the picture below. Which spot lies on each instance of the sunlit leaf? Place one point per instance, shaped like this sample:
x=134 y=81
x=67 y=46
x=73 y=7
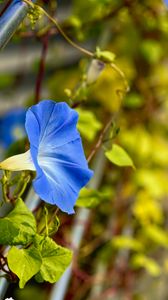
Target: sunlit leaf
x=126 y=242
x=147 y=209
x=118 y=156
x=18 y=227
x=142 y=261
x=89 y=198
x=55 y=259
x=25 y=263
x=157 y=235
x=88 y=124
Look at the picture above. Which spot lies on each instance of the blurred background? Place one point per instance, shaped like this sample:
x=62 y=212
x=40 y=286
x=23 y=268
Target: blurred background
x=124 y=251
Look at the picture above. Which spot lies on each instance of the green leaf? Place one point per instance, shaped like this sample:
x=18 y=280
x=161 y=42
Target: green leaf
x=105 y=56
x=151 y=50
x=55 y=259
x=142 y=261
x=133 y=100
x=18 y=227
x=88 y=198
x=25 y=263
x=119 y=156
x=88 y=125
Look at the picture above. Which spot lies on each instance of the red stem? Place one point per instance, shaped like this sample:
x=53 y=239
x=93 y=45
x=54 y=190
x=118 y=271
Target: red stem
x=41 y=69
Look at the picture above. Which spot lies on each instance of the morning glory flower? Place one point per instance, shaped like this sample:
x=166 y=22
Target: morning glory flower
x=56 y=154
x=12 y=126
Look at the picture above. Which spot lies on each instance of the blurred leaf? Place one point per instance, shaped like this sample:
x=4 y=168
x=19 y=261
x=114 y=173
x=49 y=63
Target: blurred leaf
x=18 y=227
x=25 y=263
x=147 y=209
x=106 y=90
x=88 y=125
x=159 y=155
x=151 y=50
x=89 y=198
x=118 y=156
x=154 y=181
x=139 y=142
x=86 y=11
x=133 y=101
x=156 y=234
x=61 y=80
x=142 y=261
x=126 y=242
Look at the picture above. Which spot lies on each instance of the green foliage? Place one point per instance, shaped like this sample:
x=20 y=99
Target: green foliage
x=118 y=156
x=154 y=181
x=25 y=263
x=18 y=227
x=126 y=242
x=156 y=235
x=142 y=261
x=55 y=259
x=146 y=209
x=133 y=100
x=42 y=256
x=88 y=124
x=86 y=9
x=151 y=50
x=105 y=56
x=89 y=198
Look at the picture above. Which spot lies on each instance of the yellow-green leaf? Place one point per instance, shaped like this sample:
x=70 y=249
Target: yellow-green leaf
x=142 y=261
x=118 y=156
x=88 y=124
x=25 y=263
x=55 y=259
x=105 y=56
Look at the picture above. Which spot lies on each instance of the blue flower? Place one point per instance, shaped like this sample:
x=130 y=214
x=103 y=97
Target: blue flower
x=56 y=153
x=166 y=2
x=12 y=126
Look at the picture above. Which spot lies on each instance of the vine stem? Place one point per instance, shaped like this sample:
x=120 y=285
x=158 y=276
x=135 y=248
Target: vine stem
x=122 y=75
x=100 y=140
x=53 y=20
x=41 y=70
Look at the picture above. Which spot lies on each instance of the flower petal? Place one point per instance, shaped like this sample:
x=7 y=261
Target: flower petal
x=18 y=162
x=66 y=172
x=57 y=152
x=52 y=124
